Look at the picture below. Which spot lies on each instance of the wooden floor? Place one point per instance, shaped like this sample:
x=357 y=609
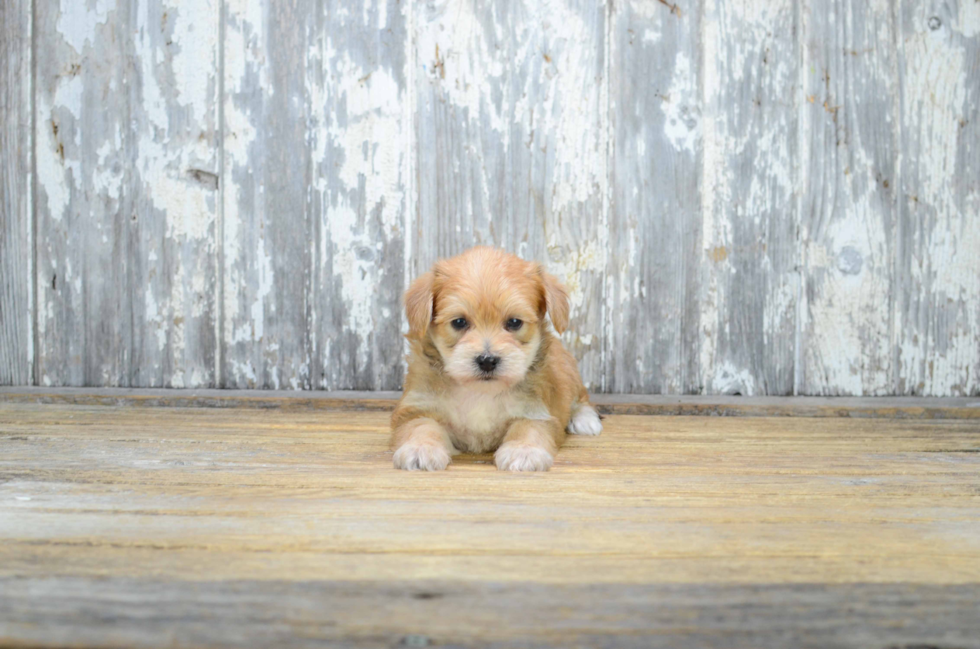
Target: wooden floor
x=162 y=527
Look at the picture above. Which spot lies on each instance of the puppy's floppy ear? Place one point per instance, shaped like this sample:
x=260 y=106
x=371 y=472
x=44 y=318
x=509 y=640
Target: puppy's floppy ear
x=418 y=304
x=555 y=300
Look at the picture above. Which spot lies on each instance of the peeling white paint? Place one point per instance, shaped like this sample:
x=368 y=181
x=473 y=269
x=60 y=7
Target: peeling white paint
x=358 y=278
x=244 y=39
x=363 y=161
x=968 y=19
x=571 y=266
x=243 y=292
x=728 y=379
x=58 y=172
x=195 y=45
x=163 y=166
x=849 y=319
x=264 y=277
x=934 y=92
x=371 y=138
x=458 y=55
x=79 y=21
x=569 y=110
x=528 y=80
x=747 y=192
x=154 y=319
x=940 y=343
x=108 y=177
x=715 y=191
x=680 y=106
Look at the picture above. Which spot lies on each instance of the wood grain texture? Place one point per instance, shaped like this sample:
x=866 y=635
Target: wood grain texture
x=937 y=290
x=609 y=404
x=652 y=321
x=126 y=192
x=850 y=181
x=16 y=185
x=512 y=144
x=80 y=612
x=750 y=278
x=316 y=159
x=123 y=520
x=268 y=235
x=362 y=121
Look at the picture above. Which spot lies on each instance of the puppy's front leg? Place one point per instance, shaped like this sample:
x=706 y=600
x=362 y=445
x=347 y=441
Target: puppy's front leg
x=422 y=445
x=530 y=445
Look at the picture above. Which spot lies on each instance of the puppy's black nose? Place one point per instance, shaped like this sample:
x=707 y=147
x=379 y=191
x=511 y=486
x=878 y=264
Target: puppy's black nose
x=487 y=363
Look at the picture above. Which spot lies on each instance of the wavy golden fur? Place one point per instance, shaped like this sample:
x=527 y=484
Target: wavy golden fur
x=485 y=372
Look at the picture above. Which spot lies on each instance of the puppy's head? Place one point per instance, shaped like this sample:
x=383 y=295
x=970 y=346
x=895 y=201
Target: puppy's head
x=484 y=311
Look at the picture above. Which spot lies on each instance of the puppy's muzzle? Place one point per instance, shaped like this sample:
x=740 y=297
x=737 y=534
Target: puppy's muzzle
x=487 y=363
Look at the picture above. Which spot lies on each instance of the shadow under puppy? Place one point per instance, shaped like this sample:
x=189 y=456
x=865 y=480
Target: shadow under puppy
x=485 y=372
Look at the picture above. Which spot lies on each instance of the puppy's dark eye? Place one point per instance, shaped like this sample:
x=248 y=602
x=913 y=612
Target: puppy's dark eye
x=459 y=324
x=513 y=324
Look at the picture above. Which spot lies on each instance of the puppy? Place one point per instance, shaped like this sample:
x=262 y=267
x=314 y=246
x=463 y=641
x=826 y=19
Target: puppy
x=485 y=373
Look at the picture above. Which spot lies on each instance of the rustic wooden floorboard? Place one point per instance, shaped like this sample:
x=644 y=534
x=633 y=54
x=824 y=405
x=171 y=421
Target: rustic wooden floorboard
x=607 y=404
x=242 y=527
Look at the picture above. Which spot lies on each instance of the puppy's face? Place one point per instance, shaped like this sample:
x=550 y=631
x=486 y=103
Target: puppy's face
x=484 y=312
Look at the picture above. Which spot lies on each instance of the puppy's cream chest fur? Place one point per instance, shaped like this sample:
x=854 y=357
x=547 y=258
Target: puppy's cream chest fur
x=478 y=416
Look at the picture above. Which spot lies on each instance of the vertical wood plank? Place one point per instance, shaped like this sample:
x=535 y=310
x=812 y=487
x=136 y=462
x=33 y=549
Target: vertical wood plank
x=749 y=239
x=938 y=251
x=268 y=234
x=849 y=181
x=127 y=180
x=316 y=152
x=512 y=144
x=652 y=318
x=361 y=124
x=16 y=236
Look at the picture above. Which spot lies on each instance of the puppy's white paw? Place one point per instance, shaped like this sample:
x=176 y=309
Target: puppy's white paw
x=514 y=456
x=585 y=421
x=415 y=456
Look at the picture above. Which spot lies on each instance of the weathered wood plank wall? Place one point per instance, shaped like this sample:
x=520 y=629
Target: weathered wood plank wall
x=652 y=324
x=937 y=274
x=512 y=142
x=316 y=155
x=16 y=225
x=751 y=277
x=766 y=197
x=126 y=140
x=847 y=221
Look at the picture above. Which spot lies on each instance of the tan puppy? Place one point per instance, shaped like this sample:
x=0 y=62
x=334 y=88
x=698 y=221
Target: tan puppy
x=485 y=372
